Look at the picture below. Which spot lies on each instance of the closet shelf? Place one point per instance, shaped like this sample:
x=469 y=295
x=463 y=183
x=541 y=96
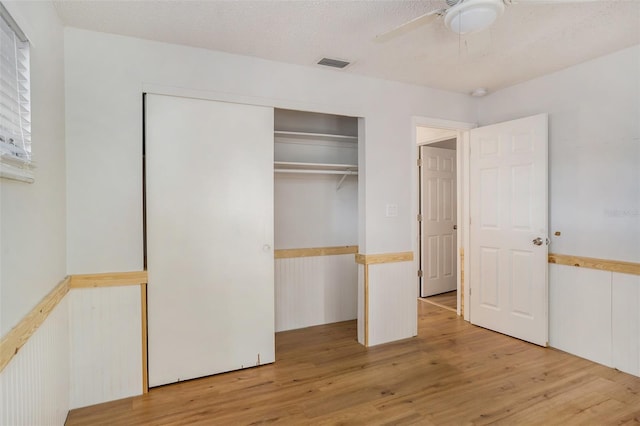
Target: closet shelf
x=317 y=168
x=292 y=167
x=309 y=135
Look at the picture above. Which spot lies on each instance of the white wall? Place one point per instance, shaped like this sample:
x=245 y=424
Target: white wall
x=594 y=187
x=311 y=212
x=594 y=151
x=34 y=387
x=105 y=76
x=32 y=257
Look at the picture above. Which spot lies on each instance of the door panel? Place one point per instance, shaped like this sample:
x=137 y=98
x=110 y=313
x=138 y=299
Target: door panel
x=439 y=219
x=209 y=213
x=489 y=291
x=522 y=293
x=508 y=187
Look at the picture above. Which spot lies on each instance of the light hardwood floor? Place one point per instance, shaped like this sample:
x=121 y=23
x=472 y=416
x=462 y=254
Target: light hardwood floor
x=445 y=300
x=451 y=374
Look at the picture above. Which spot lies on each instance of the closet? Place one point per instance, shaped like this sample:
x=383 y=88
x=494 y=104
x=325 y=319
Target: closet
x=316 y=218
x=250 y=228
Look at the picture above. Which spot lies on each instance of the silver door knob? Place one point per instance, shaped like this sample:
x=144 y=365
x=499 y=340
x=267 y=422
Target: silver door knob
x=537 y=242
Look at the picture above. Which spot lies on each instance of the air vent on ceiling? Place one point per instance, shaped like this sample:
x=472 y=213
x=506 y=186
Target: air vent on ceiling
x=335 y=63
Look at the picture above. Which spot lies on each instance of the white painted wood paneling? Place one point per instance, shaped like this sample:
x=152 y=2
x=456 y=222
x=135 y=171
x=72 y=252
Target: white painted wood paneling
x=393 y=292
x=106 y=344
x=315 y=290
x=34 y=387
x=580 y=312
x=626 y=322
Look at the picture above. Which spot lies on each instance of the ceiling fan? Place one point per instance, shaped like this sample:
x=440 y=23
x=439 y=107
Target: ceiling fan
x=464 y=16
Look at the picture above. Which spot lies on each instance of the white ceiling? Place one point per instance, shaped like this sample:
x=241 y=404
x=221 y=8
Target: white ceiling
x=529 y=40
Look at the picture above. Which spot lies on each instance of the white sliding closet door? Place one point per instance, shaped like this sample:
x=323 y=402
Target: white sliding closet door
x=209 y=212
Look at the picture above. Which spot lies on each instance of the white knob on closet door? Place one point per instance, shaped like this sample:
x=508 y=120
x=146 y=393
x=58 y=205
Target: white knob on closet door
x=266 y=247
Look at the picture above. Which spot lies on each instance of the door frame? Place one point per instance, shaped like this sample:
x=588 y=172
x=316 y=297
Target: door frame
x=462 y=189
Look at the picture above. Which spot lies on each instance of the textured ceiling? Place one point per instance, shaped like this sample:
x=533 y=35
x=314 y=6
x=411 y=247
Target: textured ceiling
x=531 y=38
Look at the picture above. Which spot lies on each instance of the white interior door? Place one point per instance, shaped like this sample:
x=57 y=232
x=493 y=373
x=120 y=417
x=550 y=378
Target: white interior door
x=508 y=232
x=438 y=209
x=209 y=213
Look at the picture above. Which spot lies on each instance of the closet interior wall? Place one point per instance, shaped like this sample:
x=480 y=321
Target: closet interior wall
x=316 y=218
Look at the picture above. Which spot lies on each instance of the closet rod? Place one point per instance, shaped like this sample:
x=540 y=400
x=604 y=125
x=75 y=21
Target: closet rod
x=322 y=172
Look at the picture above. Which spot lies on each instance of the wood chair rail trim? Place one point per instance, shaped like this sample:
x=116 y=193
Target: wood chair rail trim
x=594 y=263
x=372 y=259
x=108 y=279
x=314 y=251
x=16 y=338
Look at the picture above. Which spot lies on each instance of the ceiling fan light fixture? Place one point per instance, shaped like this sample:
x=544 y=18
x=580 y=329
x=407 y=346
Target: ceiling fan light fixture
x=470 y=16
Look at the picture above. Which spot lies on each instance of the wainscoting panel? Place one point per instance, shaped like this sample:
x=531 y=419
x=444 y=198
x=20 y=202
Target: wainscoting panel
x=106 y=344
x=626 y=322
x=580 y=312
x=393 y=291
x=315 y=290
x=35 y=384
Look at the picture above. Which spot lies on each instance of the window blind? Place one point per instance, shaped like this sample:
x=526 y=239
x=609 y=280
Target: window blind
x=15 y=99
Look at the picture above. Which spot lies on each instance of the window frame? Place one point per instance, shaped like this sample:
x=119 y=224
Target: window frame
x=16 y=162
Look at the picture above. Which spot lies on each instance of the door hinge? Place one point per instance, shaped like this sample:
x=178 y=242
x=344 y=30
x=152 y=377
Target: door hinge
x=420 y=273
x=419 y=162
x=419 y=218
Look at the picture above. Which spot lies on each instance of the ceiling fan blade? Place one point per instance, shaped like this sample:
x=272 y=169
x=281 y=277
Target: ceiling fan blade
x=409 y=26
